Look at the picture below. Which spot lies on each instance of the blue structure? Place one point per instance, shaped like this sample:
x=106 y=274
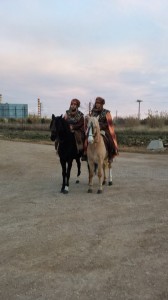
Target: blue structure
x=15 y=111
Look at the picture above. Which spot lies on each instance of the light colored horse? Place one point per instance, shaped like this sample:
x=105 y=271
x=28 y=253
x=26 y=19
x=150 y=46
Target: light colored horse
x=97 y=154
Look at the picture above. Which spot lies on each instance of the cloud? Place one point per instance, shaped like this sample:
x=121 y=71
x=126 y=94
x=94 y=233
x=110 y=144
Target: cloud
x=58 y=50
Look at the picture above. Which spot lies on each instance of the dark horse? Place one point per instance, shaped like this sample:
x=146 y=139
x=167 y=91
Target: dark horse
x=67 y=149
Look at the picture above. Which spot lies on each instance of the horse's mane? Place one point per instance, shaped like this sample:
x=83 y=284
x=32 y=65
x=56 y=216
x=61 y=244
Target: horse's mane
x=95 y=122
x=65 y=124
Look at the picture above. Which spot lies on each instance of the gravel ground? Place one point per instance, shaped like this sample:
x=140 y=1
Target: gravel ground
x=82 y=246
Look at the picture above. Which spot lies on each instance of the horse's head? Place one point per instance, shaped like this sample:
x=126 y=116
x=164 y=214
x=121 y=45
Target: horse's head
x=54 y=127
x=58 y=127
x=93 y=130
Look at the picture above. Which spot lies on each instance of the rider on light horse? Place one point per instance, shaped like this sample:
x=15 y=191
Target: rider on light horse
x=106 y=126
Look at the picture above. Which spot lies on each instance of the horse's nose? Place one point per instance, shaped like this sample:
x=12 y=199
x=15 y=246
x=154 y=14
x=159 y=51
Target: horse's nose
x=90 y=139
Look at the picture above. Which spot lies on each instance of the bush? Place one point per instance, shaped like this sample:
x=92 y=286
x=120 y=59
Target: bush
x=140 y=138
x=127 y=122
x=2 y=120
x=29 y=120
x=156 y=120
x=45 y=121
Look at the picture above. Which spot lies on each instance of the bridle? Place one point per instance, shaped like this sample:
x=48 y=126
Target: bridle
x=91 y=133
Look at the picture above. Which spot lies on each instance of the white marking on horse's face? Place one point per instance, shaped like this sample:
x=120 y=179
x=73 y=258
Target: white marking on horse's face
x=90 y=136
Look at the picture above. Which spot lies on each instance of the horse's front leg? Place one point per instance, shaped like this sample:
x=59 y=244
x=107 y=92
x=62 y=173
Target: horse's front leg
x=63 y=165
x=79 y=168
x=110 y=175
x=68 y=177
x=100 y=169
x=104 y=173
x=91 y=173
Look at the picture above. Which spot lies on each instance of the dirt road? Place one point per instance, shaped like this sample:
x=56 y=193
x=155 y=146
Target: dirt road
x=82 y=246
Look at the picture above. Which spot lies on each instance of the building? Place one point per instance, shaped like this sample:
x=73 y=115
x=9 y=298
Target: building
x=15 y=111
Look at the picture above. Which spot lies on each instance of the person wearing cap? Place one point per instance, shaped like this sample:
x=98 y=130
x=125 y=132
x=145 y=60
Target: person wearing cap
x=75 y=118
x=106 y=126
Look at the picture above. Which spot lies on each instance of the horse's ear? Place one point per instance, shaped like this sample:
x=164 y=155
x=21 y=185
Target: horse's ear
x=53 y=116
x=61 y=116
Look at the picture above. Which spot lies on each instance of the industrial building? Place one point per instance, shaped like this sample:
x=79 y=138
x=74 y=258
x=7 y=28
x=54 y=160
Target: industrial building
x=16 y=111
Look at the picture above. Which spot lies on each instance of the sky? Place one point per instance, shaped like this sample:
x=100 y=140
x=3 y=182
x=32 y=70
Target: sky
x=57 y=50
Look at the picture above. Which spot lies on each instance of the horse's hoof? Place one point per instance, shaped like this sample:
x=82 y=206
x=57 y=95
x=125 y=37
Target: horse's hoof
x=90 y=191
x=99 y=192
x=65 y=192
x=110 y=183
x=77 y=181
x=104 y=182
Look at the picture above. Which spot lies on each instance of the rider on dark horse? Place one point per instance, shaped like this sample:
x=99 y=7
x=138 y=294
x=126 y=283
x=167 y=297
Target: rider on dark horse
x=75 y=119
x=106 y=126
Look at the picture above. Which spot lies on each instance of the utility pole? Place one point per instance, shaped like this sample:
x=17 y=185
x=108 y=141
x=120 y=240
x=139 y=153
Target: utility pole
x=39 y=107
x=139 y=109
